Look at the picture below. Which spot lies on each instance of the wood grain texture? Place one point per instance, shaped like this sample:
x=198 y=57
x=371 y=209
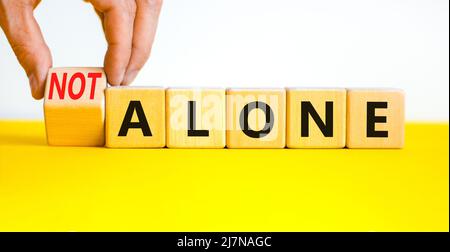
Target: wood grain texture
x=151 y=101
x=74 y=106
x=358 y=106
x=318 y=98
x=258 y=119
x=209 y=116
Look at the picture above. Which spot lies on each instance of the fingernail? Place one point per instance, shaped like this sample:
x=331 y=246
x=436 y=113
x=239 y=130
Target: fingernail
x=35 y=88
x=114 y=79
x=129 y=77
x=33 y=84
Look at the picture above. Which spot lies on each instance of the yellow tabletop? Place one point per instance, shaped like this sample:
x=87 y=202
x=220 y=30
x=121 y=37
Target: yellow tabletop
x=46 y=188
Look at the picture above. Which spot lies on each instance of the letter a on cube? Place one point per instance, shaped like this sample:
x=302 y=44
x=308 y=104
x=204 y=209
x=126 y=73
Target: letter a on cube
x=74 y=106
x=135 y=117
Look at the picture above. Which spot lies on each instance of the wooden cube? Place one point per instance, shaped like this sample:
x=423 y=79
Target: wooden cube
x=74 y=106
x=135 y=117
x=256 y=118
x=316 y=118
x=375 y=118
x=195 y=118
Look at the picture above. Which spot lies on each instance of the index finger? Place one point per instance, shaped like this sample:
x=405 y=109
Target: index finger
x=118 y=18
x=145 y=25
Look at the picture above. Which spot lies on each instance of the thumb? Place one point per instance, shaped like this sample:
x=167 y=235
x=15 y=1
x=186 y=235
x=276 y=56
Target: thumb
x=27 y=42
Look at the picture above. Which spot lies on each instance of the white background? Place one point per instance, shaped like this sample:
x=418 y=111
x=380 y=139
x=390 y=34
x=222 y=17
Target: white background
x=262 y=43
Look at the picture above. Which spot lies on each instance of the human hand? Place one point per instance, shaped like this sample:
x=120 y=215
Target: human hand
x=129 y=26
